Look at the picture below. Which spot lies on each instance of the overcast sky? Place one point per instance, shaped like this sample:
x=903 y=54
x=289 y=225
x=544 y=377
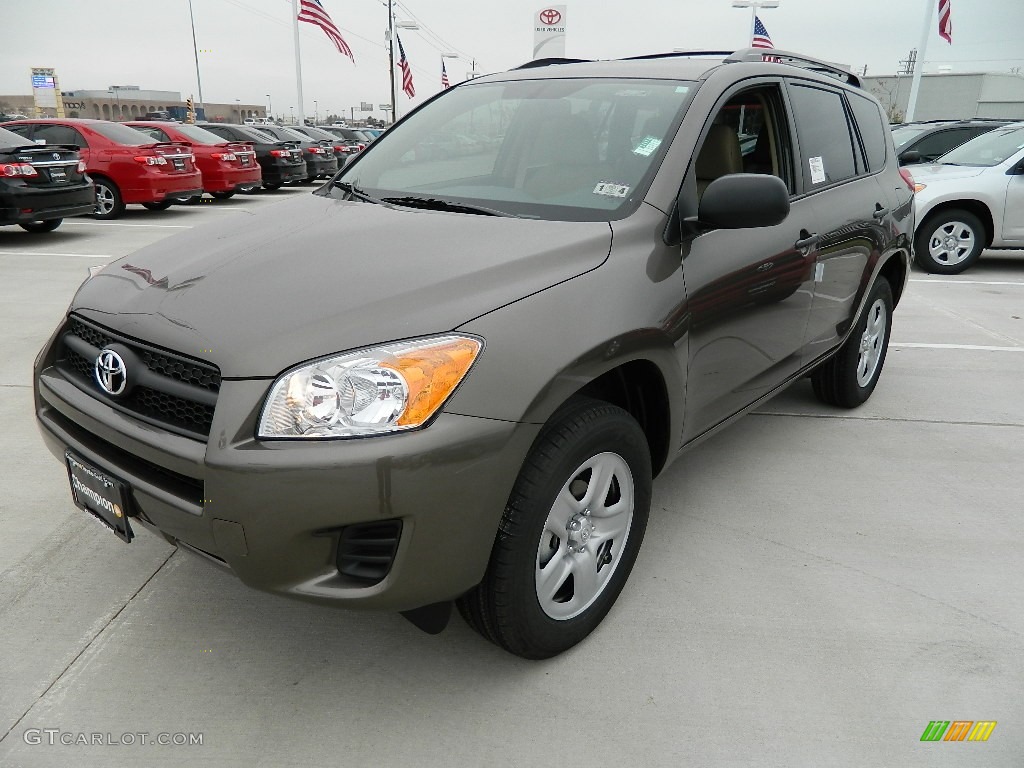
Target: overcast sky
x=246 y=46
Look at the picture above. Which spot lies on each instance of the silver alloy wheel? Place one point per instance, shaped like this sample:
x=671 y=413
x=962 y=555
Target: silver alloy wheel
x=951 y=243
x=871 y=343
x=584 y=536
x=104 y=199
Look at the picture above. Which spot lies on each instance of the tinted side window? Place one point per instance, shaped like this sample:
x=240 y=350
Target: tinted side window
x=221 y=131
x=941 y=142
x=58 y=134
x=21 y=130
x=873 y=133
x=826 y=146
x=156 y=133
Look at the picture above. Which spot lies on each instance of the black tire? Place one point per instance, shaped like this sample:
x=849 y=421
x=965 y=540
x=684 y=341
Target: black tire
x=849 y=377
x=109 y=204
x=272 y=185
x=223 y=195
x=949 y=242
x=39 y=227
x=505 y=607
x=163 y=205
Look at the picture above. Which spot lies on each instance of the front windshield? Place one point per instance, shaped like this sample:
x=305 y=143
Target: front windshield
x=572 y=149
x=907 y=133
x=987 y=150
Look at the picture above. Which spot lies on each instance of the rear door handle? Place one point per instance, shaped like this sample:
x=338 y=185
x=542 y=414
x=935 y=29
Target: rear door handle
x=806 y=240
x=880 y=212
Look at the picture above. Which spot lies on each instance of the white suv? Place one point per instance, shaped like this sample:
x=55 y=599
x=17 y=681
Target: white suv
x=972 y=198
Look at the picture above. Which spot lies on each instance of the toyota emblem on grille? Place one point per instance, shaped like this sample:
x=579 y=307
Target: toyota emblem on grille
x=111 y=373
x=56 y=155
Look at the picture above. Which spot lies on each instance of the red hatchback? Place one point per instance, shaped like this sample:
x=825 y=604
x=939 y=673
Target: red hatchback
x=227 y=167
x=125 y=165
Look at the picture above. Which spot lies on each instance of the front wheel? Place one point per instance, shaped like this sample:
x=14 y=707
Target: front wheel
x=109 y=204
x=163 y=205
x=272 y=185
x=949 y=242
x=570 y=533
x=223 y=195
x=41 y=226
x=849 y=377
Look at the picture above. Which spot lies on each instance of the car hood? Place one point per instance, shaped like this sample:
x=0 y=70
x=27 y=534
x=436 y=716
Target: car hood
x=313 y=276
x=926 y=174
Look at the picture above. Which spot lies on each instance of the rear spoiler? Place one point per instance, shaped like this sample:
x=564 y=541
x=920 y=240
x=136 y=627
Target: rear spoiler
x=44 y=148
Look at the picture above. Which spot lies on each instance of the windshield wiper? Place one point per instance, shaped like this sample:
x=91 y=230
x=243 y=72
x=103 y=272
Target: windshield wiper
x=436 y=204
x=355 y=192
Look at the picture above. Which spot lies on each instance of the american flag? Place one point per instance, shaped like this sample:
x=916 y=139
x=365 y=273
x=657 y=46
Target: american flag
x=403 y=64
x=312 y=11
x=444 y=76
x=761 y=38
x=945 y=23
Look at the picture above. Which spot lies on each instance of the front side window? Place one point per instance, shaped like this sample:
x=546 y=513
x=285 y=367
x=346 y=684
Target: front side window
x=573 y=149
x=826 y=146
x=939 y=143
x=987 y=150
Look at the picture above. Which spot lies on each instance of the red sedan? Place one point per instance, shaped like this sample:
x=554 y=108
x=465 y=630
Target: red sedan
x=125 y=165
x=227 y=167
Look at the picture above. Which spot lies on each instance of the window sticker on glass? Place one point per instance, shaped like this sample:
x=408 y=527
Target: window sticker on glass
x=611 y=189
x=647 y=146
x=817 y=170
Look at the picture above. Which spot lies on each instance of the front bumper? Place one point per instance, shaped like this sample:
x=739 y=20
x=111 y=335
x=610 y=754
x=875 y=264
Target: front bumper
x=273 y=512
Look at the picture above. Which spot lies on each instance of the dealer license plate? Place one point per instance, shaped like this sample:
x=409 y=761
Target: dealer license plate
x=104 y=497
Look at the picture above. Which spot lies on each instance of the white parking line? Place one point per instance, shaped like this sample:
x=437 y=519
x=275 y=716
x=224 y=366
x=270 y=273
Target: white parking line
x=119 y=224
x=969 y=282
x=40 y=253
x=969 y=347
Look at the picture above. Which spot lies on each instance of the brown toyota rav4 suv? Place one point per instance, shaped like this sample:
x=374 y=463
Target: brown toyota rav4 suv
x=450 y=380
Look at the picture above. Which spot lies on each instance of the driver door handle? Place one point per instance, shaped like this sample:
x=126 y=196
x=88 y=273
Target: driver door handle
x=806 y=240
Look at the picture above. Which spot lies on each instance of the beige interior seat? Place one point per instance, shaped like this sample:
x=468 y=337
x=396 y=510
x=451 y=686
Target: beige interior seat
x=719 y=156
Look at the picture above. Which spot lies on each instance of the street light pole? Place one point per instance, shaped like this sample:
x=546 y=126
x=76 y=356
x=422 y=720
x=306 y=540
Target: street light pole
x=754 y=5
x=195 y=52
x=270 y=109
x=316 y=112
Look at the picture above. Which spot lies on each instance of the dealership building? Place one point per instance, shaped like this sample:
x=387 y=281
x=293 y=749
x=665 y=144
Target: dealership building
x=952 y=95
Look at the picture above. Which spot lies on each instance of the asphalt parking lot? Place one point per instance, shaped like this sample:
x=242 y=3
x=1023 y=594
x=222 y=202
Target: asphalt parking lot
x=815 y=585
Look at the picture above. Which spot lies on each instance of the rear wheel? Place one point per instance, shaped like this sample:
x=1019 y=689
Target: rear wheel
x=949 y=242
x=849 y=377
x=223 y=195
x=41 y=226
x=163 y=205
x=109 y=204
x=570 y=533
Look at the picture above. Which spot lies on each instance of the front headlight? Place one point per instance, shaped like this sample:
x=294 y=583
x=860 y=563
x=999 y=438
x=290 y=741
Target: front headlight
x=373 y=391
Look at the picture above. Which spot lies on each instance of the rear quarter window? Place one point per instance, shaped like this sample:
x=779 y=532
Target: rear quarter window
x=826 y=146
x=873 y=132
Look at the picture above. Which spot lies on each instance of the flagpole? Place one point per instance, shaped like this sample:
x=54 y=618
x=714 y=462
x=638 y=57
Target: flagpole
x=298 y=59
x=919 y=66
x=391 y=57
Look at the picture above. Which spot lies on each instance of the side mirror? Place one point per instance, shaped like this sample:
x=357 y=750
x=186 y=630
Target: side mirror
x=744 y=200
x=910 y=157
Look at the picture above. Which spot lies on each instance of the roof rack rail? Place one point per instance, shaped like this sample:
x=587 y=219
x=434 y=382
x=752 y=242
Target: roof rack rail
x=677 y=54
x=549 y=62
x=795 y=60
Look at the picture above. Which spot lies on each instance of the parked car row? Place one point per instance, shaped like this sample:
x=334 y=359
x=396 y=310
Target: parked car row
x=156 y=163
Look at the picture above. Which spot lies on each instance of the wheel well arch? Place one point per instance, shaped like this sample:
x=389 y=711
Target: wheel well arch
x=977 y=207
x=638 y=387
x=895 y=271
